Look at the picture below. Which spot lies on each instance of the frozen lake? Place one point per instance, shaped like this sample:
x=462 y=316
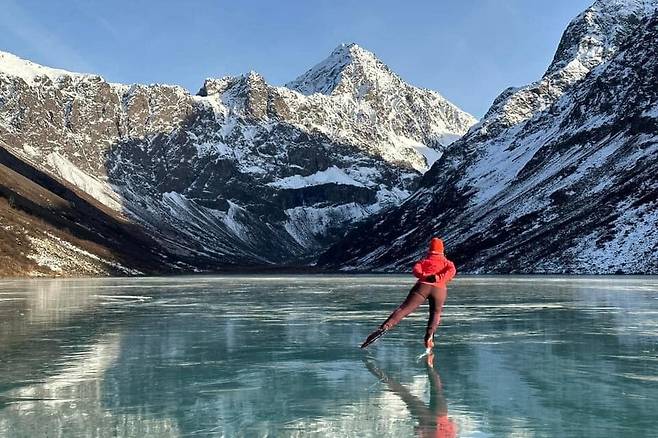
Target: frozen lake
x=266 y=356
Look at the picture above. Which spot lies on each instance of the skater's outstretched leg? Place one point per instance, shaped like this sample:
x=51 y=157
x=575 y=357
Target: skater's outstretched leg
x=415 y=298
x=372 y=337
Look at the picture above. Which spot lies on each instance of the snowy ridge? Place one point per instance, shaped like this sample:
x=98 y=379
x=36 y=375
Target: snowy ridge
x=324 y=77
x=12 y=65
x=596 y=33
x=362 y=87
x=590 y=39
x=371 y=108
x=336 y=73
x=558 y=177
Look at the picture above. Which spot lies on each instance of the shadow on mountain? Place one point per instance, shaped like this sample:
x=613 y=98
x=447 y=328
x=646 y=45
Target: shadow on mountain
x=37 y=206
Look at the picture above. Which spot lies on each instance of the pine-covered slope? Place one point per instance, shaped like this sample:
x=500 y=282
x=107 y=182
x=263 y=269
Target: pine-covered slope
x=243 y=173
x=560 y=176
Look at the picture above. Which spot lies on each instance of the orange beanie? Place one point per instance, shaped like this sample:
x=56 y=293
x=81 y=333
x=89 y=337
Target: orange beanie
x=436 y=245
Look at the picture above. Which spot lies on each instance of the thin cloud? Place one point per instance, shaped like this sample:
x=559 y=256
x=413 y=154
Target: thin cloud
x=105 y=24
x=18 y=21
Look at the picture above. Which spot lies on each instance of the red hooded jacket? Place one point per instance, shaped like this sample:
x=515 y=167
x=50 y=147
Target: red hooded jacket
x=437 y=265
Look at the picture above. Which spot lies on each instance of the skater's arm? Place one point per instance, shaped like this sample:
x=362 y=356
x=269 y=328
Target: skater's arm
x=422 y=273
x=447 y=273
x=452 y=271
x=444 y=275
x=418 y=270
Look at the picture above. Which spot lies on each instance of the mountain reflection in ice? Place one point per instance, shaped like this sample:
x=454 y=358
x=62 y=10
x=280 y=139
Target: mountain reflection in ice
x=259 y=356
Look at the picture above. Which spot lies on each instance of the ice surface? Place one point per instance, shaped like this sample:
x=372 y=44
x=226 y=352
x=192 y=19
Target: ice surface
x=278 y=356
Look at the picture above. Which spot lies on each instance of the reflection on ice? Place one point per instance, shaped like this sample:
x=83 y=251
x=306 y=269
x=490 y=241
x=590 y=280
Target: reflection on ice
x=432 y=418
x=256 y=356
x=70 y=402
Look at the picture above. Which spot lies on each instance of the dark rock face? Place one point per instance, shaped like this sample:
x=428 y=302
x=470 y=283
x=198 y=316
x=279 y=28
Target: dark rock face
x=239 y=167
x=572 y=188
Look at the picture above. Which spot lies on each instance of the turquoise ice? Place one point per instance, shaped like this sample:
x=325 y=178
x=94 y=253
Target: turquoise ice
x=279 y=356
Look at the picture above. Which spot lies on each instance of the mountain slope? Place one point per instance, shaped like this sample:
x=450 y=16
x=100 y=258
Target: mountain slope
x=243 y=173
x=560 y=181
x=49 y=228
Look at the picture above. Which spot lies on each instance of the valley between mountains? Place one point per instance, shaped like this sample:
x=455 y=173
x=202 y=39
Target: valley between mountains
x=347 y=167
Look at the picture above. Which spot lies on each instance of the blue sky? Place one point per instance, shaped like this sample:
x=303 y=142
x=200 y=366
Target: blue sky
x=468 y=50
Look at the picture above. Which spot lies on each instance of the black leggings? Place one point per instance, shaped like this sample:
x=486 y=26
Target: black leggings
x=417 y=296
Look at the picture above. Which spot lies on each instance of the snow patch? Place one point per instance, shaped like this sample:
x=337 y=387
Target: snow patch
x=99 y=190
x=430 y=154
x=231 y=221
x=213 y=148
x=31 y=151
x=306 y=224
x=633 y=242
x=59 y=255
x=330 y=175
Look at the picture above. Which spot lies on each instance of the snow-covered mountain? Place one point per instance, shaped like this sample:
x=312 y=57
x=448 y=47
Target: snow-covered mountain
x=559 y=176
x=354 y=74
x=590 y=39
x=242 y=173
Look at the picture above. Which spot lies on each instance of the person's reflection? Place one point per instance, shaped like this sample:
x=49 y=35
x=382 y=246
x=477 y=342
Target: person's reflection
x=432 y=420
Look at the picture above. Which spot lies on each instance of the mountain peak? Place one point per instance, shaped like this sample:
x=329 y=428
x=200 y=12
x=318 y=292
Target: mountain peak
x=252 y=75
x=344 y=62
x=596 y=33
x=590 y=39
x=251 y=79
x=354 y=52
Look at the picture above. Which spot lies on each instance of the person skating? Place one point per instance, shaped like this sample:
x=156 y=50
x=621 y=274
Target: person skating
x=433 y=273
